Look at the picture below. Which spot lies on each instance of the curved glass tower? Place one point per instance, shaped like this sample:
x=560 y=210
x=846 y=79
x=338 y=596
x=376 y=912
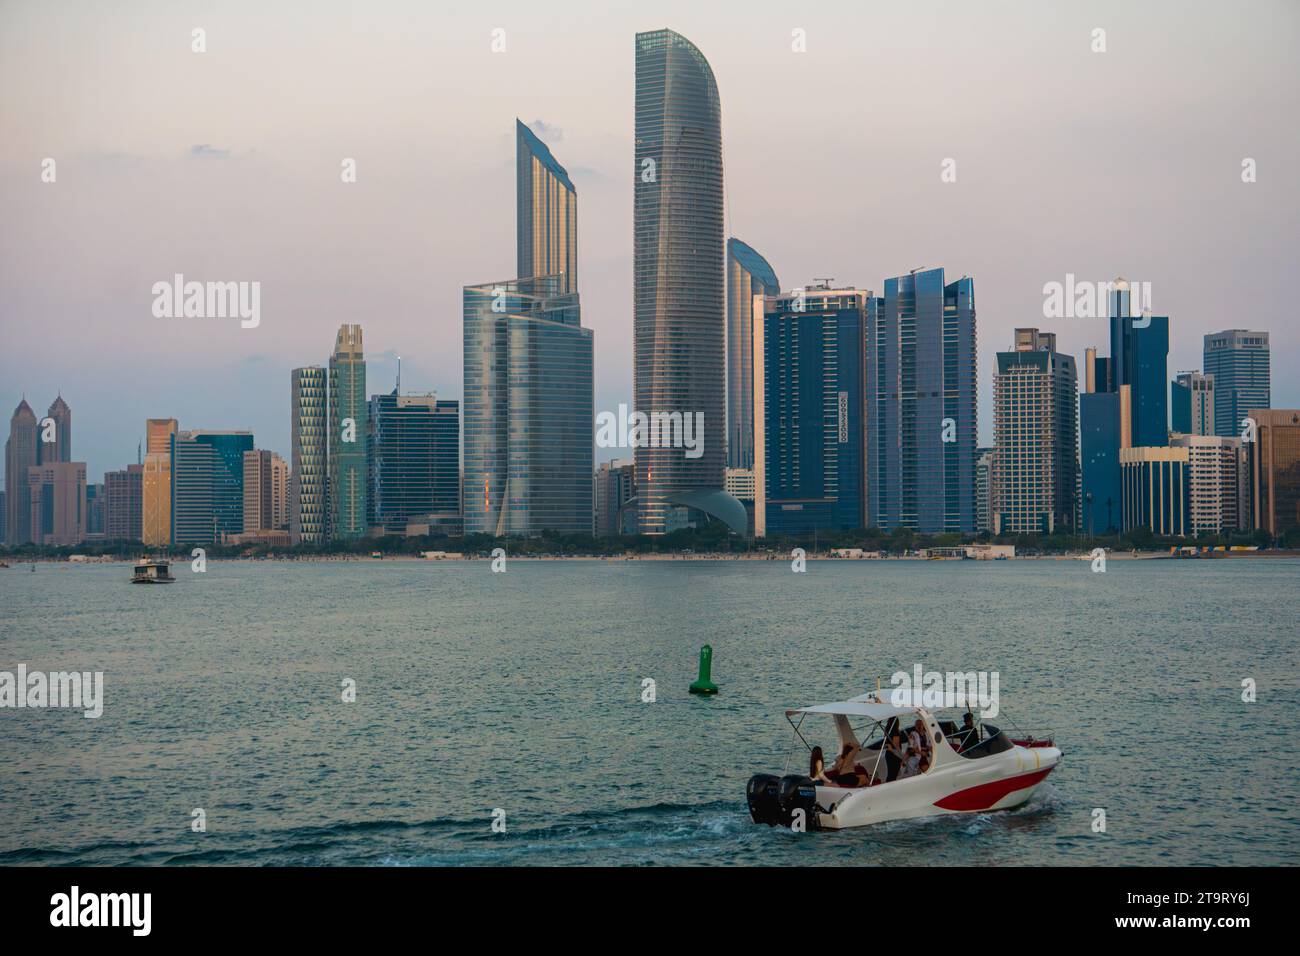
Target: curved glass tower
x=748 y=275
x=678 y=295
x=546 y=213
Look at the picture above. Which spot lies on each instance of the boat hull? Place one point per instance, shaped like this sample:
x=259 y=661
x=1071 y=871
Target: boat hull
x=997 y=782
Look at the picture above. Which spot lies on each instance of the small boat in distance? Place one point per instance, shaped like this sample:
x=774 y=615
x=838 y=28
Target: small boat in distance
x=152 y=571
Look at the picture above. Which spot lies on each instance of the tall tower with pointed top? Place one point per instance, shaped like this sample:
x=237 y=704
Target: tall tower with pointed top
x=60 y=449
x=22 y=451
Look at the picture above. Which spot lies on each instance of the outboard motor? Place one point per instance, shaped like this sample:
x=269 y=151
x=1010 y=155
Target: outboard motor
x=761 y=795
x=798 y=792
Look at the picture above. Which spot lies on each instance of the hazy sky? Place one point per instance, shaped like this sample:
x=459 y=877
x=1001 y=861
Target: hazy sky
x=225 y=165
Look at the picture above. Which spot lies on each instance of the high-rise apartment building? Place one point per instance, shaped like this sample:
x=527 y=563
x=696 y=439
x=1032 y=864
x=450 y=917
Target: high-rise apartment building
x=265 y=474
x=1216 y=471
x=748 y=276
x=56 y=492
x=921 y=413
x=813 y=379
x=347 y=435
x=1239 y=361
x=1035 y=465
x=679 y=322
x=309 y=455
x=615 y=487
x=124 y=504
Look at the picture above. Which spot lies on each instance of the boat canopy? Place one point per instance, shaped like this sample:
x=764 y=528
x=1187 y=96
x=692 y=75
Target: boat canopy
x=865 y=706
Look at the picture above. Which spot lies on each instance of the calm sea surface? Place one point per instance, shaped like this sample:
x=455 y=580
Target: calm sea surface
x=521 y=691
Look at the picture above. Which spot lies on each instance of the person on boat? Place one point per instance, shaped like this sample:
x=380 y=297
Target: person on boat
x=925 y=763
x=895 y=754
x=817 y=768
x=911 y=764
x=844 y=772
x=917 y=737
x=968 y=735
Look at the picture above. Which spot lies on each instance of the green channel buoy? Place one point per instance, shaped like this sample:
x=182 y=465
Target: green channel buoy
x=705 y=685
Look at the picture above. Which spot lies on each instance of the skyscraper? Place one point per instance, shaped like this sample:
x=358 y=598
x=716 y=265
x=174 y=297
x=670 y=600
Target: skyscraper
x=546 y=227
x=748 y=275
x=984 y=489
x=1275 y=470
x=264 y=474
x=921 y=414
x=1035 y=466
x=21 y=453
x=528 y=409
x=1216 y=471
x=347 y=435
x=1100 y=442
x=60 y=449
x=124 y=504
x=195 y=474
x=57 y=497
x=1191 y=404
x=678 y=268
x=227 y=477
x=309 y=455
x=1157 y=493
x=813 y=380
x=615 y=487
x=1239 y=361
x=414 y=459
x=156 y=482
x=1139 y=357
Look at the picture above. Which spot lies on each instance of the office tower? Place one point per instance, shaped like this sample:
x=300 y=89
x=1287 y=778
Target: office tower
x=196 y=472
x=227 y=477
x=748 y=275
x=546 y=227
x=1215 y=473
x=95 y=514
x=414 y=460
x=309 y=455
x=615 y=487
x=983 y=489
x=921 y=417
x=1097 y=372
x=157 y=489
x=529 y=408
x=1156 y=489
x=1139 y=356
x=56 y=443
x=529 y=380
x=56 y=493
x=814 y=437
x=124 y=504
x=21 y=453
x=1035 y=464
x=678 y=296
x=265 y=474
x=1275 y=470
x=1100 y=441
x=1239 y=361
x=1191 y=404
x=347 y=436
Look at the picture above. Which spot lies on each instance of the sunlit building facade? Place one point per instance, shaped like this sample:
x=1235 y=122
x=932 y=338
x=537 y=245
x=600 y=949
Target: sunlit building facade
x=748 y=275
x=546 y=230
x=1275 y=470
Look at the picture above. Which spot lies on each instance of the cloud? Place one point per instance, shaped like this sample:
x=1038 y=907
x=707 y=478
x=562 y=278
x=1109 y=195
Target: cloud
x=548 y=134
x=204 y=151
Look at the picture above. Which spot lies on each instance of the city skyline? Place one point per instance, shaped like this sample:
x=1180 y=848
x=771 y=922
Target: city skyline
x=1021 y=213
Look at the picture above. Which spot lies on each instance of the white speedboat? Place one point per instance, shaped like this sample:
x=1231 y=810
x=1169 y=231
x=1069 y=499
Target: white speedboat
x=969 y=771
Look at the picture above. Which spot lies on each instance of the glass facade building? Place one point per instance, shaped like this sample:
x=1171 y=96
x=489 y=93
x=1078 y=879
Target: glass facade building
x=1099 y=446
x=309 y=457
x=1156 y=489
x=1239 y=361
x=347 y=435
x=921 y=357
x=528 y=409
x=814 y=436
x=194 y=470
x=1191 y=404
x=679 y=333
x=546 y=229
x=227 y=477
x=1139 y=355
x=748 y=275
x=413 y=448
x=124 y=504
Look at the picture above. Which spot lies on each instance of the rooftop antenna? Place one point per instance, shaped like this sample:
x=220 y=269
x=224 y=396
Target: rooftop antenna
x=823 y=283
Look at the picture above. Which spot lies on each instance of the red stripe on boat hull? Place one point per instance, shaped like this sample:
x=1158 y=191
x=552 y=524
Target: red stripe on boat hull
x=987 y=794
